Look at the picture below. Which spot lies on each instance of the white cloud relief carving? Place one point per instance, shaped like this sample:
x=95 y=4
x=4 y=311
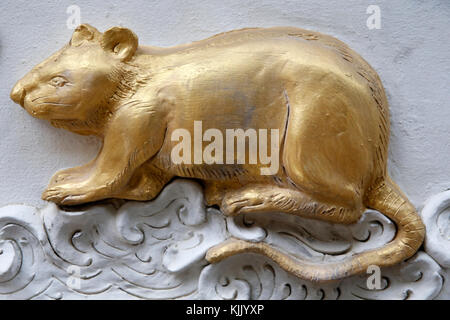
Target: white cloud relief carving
x=156 y=250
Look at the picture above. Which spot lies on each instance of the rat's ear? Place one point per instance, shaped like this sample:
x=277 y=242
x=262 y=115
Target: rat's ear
x=82 y=33
x=121 y=42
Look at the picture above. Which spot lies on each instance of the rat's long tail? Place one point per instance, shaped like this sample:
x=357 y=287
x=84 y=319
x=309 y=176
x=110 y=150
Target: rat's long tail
x=384 y=197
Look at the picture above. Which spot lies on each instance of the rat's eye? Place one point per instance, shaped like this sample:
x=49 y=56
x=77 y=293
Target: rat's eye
x=58 y=81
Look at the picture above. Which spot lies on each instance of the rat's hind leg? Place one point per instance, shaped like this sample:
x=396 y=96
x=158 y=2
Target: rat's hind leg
x=269 y=198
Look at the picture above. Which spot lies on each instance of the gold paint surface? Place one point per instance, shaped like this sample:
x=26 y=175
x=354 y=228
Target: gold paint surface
x=327 y=103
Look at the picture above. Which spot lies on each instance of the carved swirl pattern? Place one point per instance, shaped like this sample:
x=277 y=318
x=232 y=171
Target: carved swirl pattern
x=156 y=250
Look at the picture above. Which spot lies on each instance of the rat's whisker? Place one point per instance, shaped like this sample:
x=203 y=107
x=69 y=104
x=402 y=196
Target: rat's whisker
x=42 y=97
x=55 y=104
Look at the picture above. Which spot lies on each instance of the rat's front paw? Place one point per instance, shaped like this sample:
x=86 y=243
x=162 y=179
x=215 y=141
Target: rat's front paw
x=69 y=194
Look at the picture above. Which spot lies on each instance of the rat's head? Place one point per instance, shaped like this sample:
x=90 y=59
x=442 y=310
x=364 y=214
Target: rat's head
x=80 y=77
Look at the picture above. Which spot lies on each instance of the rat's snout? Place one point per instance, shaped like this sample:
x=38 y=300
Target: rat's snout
x=18 y=93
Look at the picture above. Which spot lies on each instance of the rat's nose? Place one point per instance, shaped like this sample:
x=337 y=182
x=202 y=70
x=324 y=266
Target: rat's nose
x=18 y=93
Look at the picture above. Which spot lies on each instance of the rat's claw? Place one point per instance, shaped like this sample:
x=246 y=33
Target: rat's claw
x=74 y=199
x=54 y=194
x=72 y=196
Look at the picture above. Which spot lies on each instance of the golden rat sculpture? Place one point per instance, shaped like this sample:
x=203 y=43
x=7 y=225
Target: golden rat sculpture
x=326 y=101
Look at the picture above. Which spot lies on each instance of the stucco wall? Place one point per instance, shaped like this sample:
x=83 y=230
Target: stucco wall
x=411 y=53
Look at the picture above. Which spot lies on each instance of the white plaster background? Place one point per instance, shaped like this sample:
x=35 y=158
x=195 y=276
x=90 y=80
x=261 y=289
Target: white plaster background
x=411 y=52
